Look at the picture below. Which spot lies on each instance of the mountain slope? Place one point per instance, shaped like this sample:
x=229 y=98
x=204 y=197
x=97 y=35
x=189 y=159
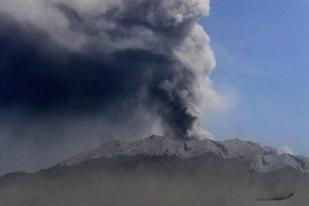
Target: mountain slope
x=261 y=159
x=166 y=172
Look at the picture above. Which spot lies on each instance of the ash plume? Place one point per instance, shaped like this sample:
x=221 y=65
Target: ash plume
x=146 y=62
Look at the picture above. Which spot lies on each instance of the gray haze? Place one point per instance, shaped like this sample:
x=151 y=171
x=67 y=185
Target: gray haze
x=76 y=73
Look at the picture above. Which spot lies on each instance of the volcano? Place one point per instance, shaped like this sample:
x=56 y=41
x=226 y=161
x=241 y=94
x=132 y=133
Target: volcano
x=163 y=171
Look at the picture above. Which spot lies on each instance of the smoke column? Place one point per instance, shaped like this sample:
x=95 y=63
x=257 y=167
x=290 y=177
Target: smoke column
x=146 y=62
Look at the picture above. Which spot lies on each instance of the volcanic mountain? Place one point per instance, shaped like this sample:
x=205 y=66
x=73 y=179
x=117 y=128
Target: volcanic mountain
x=163 y=171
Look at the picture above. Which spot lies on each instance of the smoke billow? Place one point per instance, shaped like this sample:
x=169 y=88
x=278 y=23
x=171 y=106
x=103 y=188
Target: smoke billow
x=125 y=62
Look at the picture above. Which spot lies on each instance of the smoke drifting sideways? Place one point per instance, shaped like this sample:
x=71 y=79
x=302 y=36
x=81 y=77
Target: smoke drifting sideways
x=74 y=71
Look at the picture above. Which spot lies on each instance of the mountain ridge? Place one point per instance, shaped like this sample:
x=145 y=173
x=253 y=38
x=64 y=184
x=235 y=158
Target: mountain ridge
x=261 y=159
x=163 y=171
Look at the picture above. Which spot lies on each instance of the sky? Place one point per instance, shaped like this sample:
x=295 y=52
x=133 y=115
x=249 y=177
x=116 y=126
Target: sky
x=262 y=52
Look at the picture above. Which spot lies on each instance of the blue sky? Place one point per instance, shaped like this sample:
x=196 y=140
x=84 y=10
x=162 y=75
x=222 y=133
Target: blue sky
x=262 y=52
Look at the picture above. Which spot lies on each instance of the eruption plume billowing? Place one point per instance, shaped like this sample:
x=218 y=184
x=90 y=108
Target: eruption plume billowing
x=115 y=59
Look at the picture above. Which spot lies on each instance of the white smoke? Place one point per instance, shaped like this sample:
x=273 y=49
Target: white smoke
x=285 y=150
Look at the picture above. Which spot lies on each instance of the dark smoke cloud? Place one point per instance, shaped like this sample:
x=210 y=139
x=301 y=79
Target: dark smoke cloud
x=128 y=64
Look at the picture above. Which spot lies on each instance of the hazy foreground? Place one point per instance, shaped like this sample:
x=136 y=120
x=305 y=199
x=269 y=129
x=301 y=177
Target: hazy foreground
x=160 y=171
x=165 y=181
